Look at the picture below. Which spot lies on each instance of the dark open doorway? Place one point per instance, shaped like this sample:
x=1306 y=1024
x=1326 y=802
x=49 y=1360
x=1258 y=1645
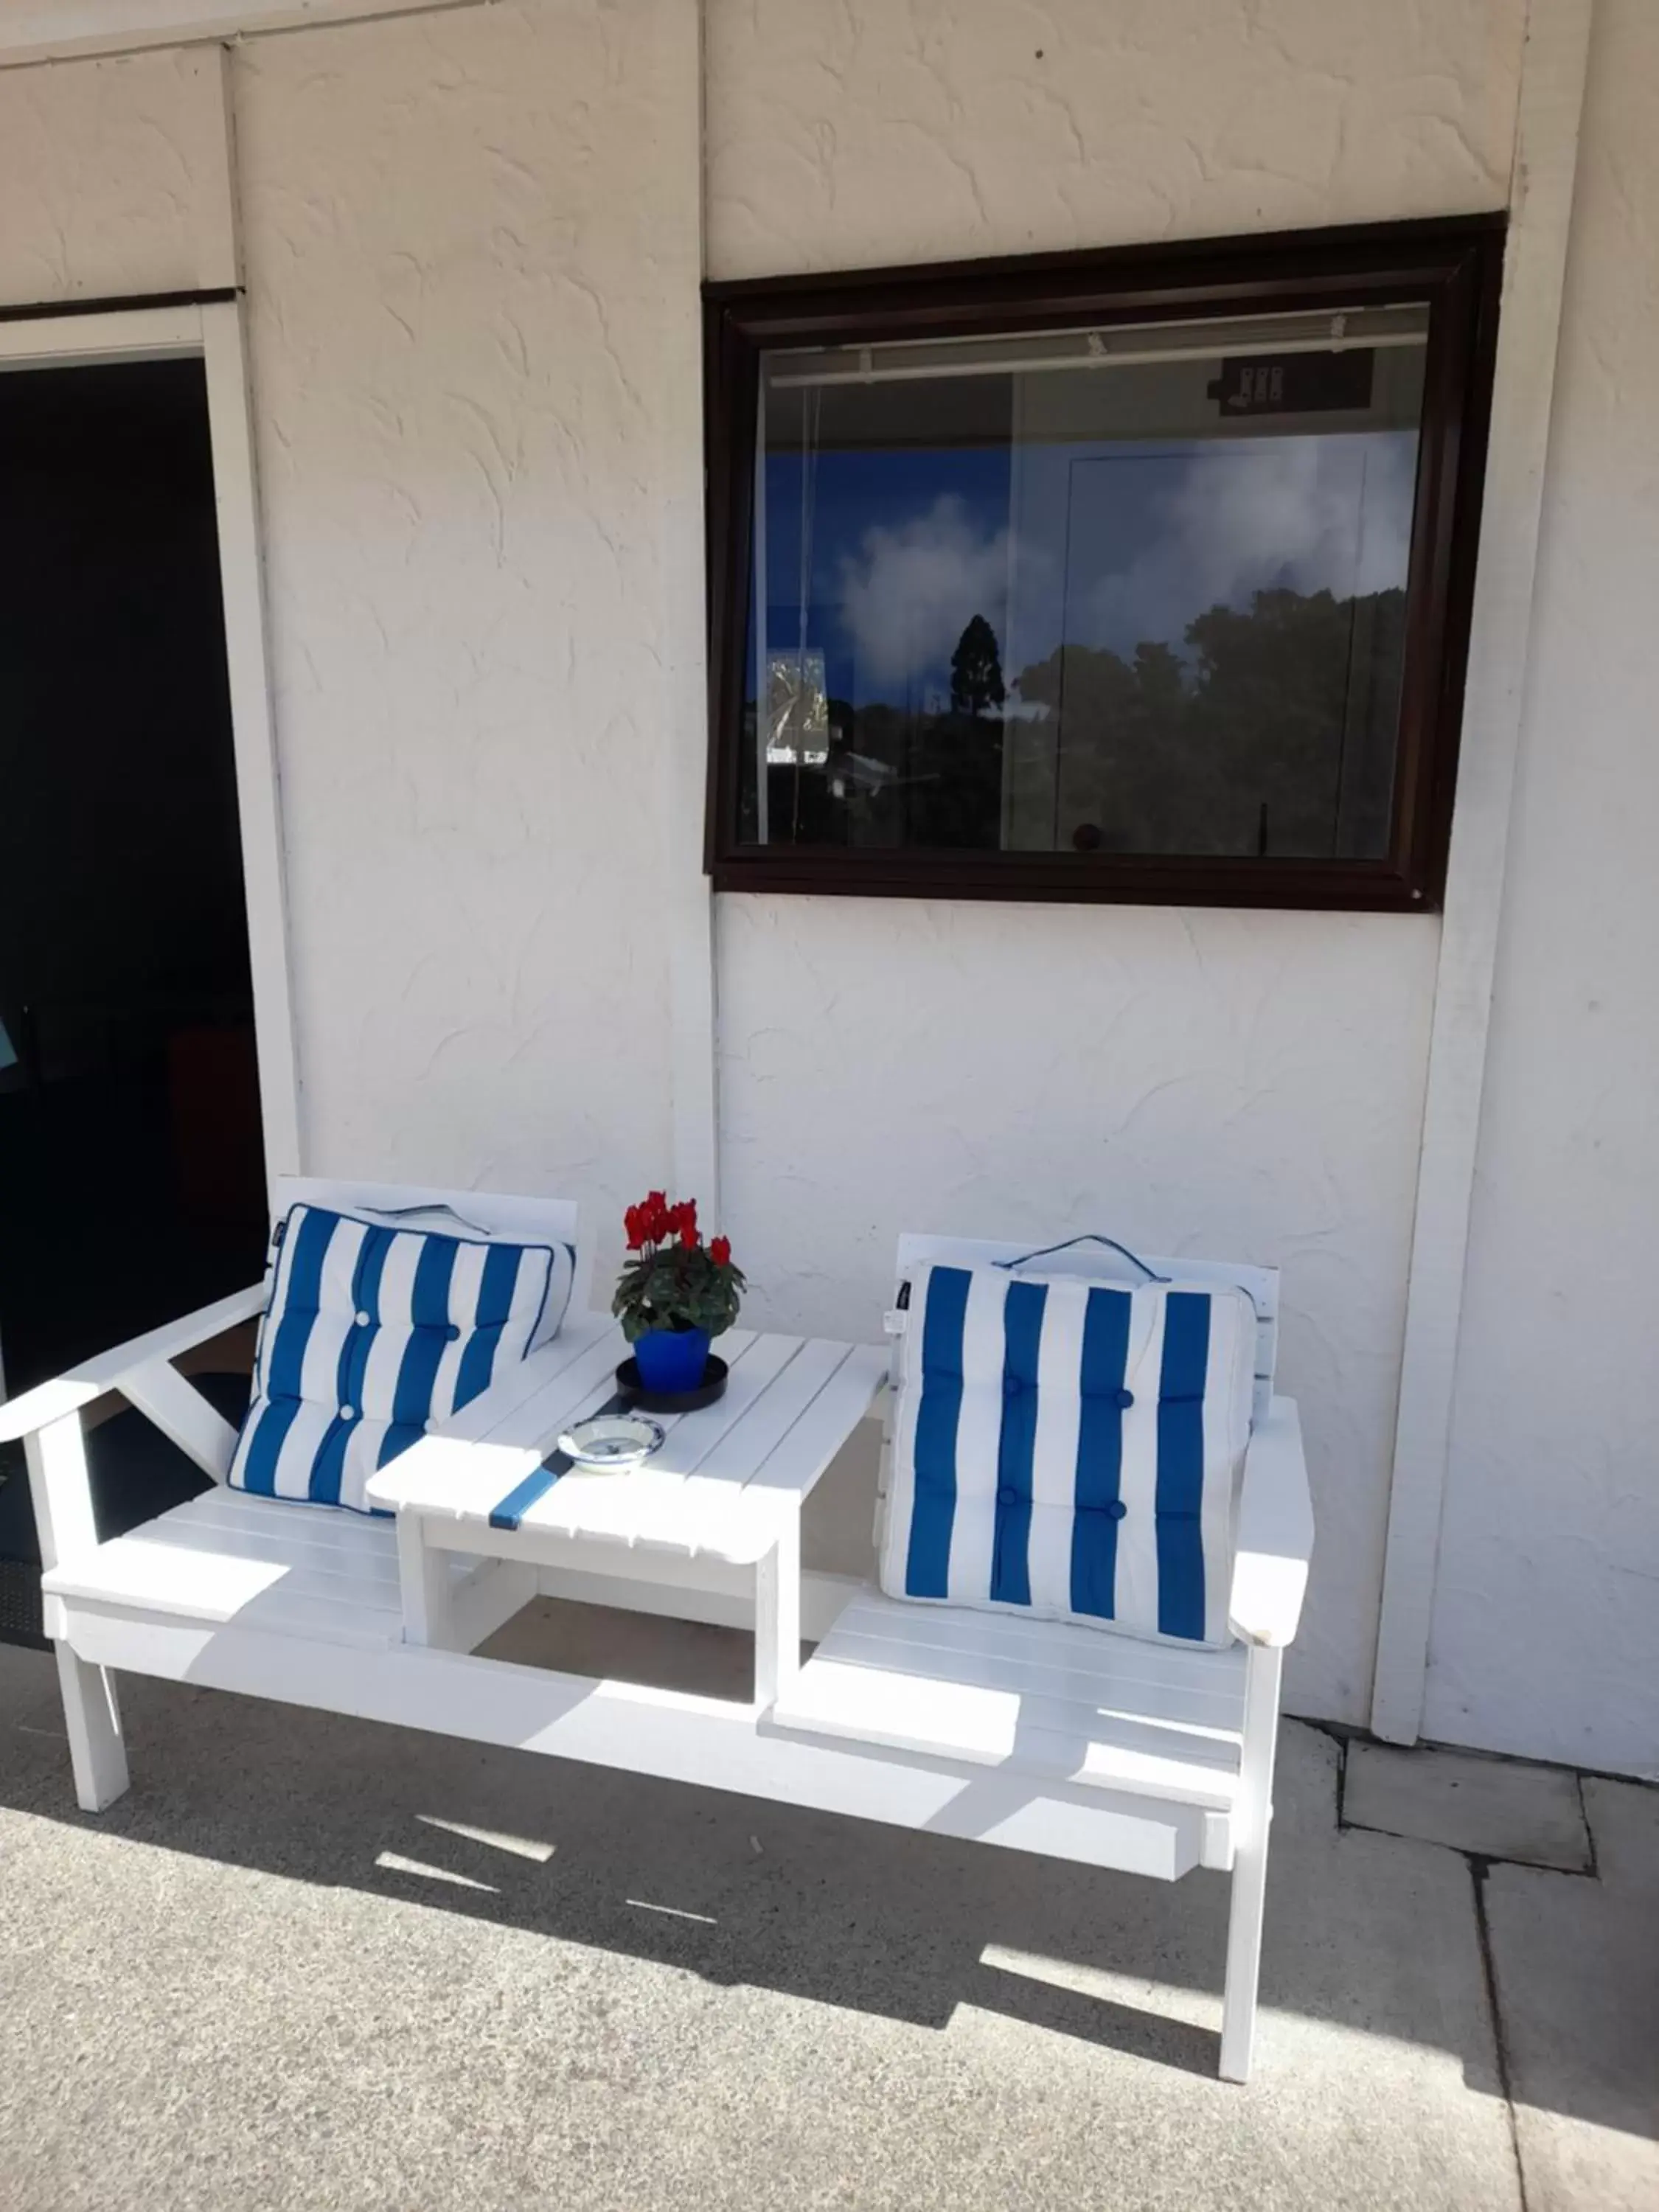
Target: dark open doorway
x=131 y=1178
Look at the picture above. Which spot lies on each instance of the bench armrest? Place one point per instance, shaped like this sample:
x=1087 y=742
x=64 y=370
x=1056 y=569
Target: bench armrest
x=37 y=1409
x=1275 y=1532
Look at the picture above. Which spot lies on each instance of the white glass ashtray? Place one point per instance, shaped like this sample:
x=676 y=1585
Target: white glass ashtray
x=612 y=1443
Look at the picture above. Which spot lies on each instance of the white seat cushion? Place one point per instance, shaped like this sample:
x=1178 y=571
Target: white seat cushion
x=1070 y=1450
x=374 y=1334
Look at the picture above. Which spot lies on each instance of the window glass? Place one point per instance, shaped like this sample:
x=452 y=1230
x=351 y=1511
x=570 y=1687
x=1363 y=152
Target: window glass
x=1138 y=591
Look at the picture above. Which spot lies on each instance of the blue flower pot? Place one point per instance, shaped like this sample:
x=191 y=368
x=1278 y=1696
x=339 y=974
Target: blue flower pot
x=671 y=1359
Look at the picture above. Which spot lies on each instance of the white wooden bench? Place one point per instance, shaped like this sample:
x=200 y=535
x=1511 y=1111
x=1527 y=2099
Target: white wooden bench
x=1190 y=1734
x=1037 y=1736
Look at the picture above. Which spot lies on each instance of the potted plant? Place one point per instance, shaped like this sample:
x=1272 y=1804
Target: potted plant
x=675 y=1293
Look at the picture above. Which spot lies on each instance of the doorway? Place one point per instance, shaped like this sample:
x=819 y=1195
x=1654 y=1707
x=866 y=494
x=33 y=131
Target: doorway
x=132 y=1184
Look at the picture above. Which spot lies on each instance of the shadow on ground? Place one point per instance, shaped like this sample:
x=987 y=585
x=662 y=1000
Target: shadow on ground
x=617 y=1992
x=843 y=1911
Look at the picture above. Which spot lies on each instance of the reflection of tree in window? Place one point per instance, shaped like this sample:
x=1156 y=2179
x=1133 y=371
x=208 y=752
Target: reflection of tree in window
x=977 y=686
x=1282 y=721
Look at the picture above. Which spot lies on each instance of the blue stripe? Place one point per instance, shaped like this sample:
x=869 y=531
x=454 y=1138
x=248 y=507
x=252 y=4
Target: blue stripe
x=1181 y=1464
x=272 y=1420
x=495 y=1288
x=933 y=1507
x=398 y=1437
x=411 y=1399
x=1097 y=1504
x=328 y=1466
x=366 y=1299
x=1022 y=1341
x=302 y=1295
x=540 y=1480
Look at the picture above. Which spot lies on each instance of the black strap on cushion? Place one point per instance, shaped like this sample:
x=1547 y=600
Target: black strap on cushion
x=1089 y=1236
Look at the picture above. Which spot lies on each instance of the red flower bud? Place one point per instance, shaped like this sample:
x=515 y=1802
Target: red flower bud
x=720 y=1251
x=689 y=1238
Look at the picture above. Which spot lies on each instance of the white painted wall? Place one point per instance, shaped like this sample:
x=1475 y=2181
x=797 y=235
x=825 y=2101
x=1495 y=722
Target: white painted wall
x=1231 y=1084
x=472 y=249
x=1546 y=1631
x=864 y=133
x=108 y=173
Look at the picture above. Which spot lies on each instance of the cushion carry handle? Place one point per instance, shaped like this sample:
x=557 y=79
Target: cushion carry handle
x=1088 y=1237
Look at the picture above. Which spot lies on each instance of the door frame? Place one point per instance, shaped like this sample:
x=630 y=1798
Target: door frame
x=210 y=328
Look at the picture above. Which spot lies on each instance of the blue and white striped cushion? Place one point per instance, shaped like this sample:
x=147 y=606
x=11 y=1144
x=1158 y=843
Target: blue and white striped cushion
x=1070 y=1450
x=373 y=1336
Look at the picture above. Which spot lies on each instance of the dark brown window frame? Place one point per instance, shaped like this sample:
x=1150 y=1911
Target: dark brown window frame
x=1455 y=263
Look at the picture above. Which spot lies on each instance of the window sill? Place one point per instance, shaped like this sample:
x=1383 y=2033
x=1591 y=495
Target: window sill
x=1336 y=886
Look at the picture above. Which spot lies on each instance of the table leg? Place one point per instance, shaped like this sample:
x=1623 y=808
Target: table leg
x=424 y=1579
x=777 y=1611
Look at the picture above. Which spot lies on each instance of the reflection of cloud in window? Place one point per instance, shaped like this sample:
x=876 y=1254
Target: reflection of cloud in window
x=1152 y=540
x=909 y=591
x=1309 y=514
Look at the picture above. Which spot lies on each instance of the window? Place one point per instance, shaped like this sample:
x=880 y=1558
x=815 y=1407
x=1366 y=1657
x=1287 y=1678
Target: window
x=1131 y=575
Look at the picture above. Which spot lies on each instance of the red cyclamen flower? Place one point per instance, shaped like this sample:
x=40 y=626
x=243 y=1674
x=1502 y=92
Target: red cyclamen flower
x=720 y=1251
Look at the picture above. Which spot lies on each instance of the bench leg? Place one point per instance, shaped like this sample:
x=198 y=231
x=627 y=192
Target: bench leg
x=423 y=1581
x=777 y=1613
x=92 y=1715
x=1250 y=1875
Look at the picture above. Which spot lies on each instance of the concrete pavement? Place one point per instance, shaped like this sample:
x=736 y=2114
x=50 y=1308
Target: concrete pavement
x=310 y=1963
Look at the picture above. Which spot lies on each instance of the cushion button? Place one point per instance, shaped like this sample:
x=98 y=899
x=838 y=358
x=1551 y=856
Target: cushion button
x=1010 y=1386
x=345 y=1412
x=362 y=1320
x=1009 y=1496
x=1126 y=1399
x=1117 y=1509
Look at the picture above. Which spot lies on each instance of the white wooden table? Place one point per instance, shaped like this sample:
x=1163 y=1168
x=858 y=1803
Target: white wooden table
x=723 y=1495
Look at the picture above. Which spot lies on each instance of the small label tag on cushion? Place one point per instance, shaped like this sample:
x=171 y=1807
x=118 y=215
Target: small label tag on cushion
x=894 y=1321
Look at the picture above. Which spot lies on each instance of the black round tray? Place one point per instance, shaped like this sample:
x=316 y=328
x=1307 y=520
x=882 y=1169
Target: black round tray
x=712 y=1386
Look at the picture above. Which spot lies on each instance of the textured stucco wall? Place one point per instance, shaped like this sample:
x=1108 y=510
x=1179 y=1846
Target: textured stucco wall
x=1228 y=1085
x=50 y=30
x=1244 y=1085
x=103 y=169
x=472 y=245
x=1546 y=1634
x=867 y=132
